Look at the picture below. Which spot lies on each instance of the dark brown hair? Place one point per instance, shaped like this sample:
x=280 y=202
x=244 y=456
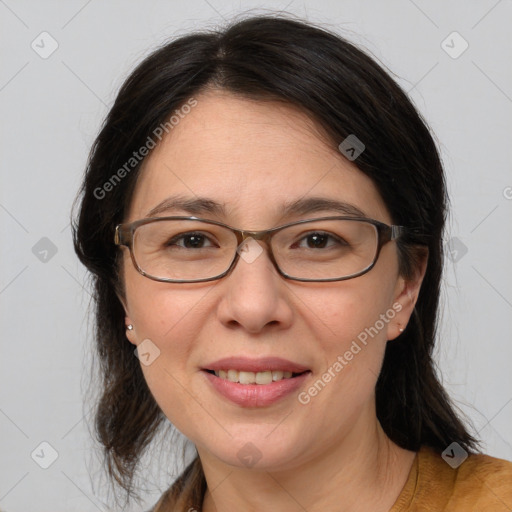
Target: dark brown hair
x=347 y=92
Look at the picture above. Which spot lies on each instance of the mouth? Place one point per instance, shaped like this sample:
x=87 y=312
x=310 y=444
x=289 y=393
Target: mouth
x=255 y=382
x=260 y=378
x=255 y=389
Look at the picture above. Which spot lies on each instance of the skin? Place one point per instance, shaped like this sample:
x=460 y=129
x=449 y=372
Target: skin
x=332 y=453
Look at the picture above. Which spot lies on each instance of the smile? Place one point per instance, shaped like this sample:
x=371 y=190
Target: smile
x=262 y=378
x=255 y=389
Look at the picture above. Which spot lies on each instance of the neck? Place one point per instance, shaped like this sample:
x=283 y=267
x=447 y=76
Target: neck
x=365 y=471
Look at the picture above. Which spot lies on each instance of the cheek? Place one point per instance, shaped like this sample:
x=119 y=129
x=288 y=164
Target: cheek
x=350 y=308
x=166 y=315
x=171 y=319
x=350 y=325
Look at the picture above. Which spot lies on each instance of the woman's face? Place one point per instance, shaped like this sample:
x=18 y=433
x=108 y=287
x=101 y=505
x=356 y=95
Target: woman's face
x=253 y=158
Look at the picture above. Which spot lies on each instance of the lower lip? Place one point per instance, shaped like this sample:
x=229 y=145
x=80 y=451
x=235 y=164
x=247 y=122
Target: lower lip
x=256 y=395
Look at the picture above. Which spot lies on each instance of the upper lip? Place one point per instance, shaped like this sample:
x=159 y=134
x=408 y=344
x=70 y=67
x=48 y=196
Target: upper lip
x=262 y=364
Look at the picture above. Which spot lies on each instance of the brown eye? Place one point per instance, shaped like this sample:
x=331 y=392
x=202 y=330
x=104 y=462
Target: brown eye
x=321 y=240
x=190 y=241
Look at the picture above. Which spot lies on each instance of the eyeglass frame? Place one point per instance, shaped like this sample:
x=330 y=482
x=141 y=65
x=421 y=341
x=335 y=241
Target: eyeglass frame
x=124 y=234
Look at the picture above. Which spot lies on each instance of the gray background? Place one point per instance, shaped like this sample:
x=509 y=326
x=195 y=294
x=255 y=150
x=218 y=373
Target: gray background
x=51 y=111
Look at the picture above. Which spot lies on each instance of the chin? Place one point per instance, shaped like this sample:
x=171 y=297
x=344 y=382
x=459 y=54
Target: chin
x=256 y=449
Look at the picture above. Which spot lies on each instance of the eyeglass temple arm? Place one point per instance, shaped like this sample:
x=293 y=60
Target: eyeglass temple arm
x=120 y=236
x=396 y=232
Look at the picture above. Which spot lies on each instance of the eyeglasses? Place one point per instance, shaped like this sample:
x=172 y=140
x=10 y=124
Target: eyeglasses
x=190 y=249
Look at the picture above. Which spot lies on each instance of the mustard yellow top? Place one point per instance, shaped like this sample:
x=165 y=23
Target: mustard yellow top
x=480 y=484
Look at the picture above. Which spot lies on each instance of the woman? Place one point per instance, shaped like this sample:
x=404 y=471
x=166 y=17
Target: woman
x=263 y=214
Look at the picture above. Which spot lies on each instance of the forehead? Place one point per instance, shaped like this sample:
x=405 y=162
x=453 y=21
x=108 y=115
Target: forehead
x=252 y=157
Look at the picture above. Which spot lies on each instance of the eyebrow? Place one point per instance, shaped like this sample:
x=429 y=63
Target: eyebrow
x=301 y=206
x=307 y=205
x=194 y=206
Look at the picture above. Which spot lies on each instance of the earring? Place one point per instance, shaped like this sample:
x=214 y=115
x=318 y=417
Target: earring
x=129 y=327
x=401 y=329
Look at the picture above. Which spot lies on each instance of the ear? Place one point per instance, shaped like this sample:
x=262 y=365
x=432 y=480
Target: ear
x=130 y=333
x=406 y=295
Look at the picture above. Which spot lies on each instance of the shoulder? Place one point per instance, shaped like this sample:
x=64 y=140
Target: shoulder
x=484 y=481
x=485 y=469
x=457 y=481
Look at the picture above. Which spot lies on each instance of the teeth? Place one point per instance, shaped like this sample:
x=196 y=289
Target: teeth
x=263 y=378
x=277 y=375
x=246 y=377
x=253 y=377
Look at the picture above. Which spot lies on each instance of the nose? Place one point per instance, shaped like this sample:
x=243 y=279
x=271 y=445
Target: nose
x=254 y=294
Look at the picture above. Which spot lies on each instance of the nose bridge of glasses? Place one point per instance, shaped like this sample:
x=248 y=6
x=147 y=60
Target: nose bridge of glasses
x=243 y=235
x=261 y=236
